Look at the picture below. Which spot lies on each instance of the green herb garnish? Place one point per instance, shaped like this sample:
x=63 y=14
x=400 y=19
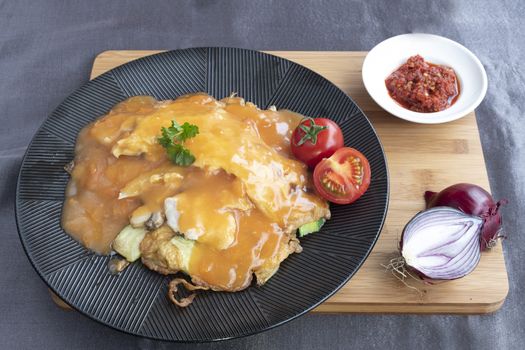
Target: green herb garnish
x=172 y=139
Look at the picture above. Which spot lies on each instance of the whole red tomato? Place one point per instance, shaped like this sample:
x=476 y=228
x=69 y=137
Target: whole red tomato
x=315 y=139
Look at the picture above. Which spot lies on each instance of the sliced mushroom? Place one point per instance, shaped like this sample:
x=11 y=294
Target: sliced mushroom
x=116 y=265
x=69 y=167
x=155 y=221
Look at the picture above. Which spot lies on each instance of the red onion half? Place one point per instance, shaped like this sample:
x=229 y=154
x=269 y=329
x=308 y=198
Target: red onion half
x=474 y=200
x=442 y=243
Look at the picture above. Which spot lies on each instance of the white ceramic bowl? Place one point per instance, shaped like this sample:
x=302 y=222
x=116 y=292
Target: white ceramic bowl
x=388 y=55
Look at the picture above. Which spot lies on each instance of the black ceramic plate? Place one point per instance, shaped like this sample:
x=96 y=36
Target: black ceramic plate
x=136 y=301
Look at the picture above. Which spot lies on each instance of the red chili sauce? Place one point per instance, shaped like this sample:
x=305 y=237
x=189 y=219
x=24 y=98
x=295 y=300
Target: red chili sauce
x=422 y=86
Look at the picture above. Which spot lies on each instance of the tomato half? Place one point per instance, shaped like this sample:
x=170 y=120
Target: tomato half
x=315 y=139
x=343 y=177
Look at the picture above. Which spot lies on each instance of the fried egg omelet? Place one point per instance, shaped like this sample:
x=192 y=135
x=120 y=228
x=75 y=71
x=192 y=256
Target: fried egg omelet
x=233 y=213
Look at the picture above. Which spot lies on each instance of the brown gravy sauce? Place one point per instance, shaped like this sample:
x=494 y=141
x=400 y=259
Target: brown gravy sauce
x=94 y=215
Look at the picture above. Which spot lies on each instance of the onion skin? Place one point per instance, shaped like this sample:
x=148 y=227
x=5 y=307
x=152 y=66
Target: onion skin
x=473 y=200
x=441 y=243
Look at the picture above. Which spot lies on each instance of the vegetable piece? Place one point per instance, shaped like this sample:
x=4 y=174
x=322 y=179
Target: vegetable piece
x=172 y=139
x=311 y=227
x=140 y=216
x=128 y=241
x=474 y=200
x=344 y=177
x=185 y=249
x=315 y=139
x=442 y=243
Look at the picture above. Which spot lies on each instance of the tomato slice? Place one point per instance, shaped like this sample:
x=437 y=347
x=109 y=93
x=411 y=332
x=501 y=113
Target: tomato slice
x=344 y=177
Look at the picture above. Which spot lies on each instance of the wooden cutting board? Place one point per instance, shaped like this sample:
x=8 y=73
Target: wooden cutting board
x=420 y=157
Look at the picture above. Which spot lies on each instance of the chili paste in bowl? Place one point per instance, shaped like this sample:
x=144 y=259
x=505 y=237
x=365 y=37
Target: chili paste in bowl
x=424 y=78
x=422 y=86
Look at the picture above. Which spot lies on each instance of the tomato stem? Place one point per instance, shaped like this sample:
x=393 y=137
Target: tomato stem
x=310 y=131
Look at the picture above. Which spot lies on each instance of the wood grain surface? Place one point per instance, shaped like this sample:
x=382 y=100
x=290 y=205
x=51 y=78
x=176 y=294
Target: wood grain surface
x=420 y=157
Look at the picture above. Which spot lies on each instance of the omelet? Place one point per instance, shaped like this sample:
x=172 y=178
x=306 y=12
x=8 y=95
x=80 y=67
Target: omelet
x=229 y=216
x=209 y=213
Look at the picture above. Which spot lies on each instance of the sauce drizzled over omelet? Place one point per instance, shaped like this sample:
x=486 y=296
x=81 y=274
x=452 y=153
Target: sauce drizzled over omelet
x=237 y=206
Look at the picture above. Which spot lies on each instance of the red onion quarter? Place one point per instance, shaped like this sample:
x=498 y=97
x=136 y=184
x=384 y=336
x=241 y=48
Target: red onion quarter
x=442 y=243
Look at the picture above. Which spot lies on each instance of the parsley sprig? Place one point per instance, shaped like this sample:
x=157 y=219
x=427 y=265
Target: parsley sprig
x=172 y=139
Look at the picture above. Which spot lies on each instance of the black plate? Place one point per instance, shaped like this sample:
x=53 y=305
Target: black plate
x=136 y=301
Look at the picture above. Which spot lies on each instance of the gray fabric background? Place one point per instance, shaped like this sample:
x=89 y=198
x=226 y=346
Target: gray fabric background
x=46 y=51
